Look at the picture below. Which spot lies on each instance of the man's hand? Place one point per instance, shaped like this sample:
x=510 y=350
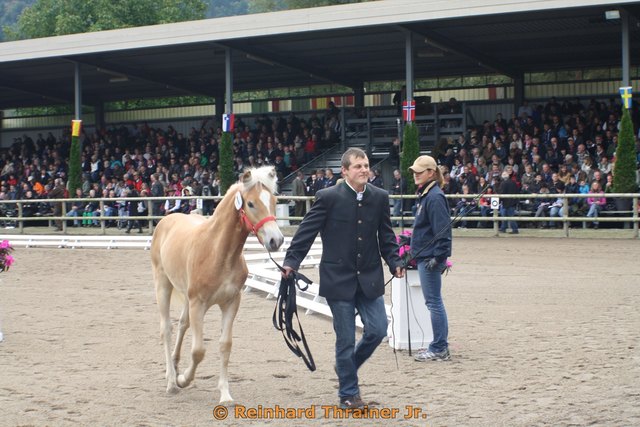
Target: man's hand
x=286 y=272
x=399 y=272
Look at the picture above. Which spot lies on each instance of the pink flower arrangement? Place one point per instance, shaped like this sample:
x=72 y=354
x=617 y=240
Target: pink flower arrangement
x=6 y=260
x=403 y=240
x=404 y=251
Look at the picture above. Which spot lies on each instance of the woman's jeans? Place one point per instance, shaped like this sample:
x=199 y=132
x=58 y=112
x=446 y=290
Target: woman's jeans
x=349 y=355
x=594 y=210
x=431 y=282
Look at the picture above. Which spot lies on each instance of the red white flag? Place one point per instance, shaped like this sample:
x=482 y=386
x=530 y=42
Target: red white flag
x=409 y=110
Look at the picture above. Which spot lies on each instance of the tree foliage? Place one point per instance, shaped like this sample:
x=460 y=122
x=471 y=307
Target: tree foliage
x=24 y=19
x=257 y=6
x=227 y=177
x=410 y=152
x=9 y=12
x=75 y=167
x=624 y=170
x=218 y=9
x=58 y=17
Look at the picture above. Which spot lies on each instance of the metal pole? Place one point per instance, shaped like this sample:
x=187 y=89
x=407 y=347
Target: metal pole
x=228 y=81
x=635 y=217
x=565 y=216
x=625 y=48
x=78 y=92
x=369 y=133
x=408 y=54
x=343 y=126
x=103 y=222
x=21 y=222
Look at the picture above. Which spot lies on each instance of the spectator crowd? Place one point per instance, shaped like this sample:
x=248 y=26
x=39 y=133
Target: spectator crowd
x=139 y=160
x=552 y=148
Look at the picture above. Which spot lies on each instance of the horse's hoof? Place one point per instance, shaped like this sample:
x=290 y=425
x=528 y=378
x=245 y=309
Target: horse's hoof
x=228 y=403
x=182 y=382
x=173 y=389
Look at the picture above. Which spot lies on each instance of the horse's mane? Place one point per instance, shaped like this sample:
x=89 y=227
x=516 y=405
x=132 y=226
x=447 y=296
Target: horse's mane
x=265 y=175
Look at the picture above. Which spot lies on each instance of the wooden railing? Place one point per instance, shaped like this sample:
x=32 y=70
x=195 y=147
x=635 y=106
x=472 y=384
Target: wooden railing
x=14 y=216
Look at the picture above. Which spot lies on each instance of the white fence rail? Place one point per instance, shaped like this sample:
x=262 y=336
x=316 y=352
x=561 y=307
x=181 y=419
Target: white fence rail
x=263 y=273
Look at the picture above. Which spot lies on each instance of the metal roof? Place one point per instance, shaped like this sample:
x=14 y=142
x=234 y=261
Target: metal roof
x=347 y=44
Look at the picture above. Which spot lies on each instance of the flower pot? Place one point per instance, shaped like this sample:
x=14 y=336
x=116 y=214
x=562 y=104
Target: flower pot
x=623 y=204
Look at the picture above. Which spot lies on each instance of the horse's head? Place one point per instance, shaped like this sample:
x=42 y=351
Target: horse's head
x=257 y=205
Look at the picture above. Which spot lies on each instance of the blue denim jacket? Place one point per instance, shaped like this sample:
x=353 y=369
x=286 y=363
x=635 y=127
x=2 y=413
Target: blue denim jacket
x=432 y=217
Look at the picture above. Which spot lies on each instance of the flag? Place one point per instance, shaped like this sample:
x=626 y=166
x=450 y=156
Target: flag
x=227 y=122
x=409 y=110
x=625 y=94
x=75 y=127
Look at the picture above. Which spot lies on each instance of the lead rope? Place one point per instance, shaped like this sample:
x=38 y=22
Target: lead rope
x=286 y=307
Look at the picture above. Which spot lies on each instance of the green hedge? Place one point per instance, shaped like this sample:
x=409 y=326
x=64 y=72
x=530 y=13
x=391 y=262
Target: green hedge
x=624 y=170
x=75 y=167
x=227 y=177
x=410 y=152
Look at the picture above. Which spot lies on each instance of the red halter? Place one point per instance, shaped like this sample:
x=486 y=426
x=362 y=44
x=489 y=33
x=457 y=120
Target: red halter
x=254 y=228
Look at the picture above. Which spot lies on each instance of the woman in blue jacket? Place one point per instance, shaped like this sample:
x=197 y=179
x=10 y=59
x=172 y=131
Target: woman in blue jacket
x=431 y=245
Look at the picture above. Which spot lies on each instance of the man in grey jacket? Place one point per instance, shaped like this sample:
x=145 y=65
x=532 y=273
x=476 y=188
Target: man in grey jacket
x=353 y=220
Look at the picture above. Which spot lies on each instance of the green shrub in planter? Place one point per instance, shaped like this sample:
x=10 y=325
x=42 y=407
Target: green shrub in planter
x=624 y=170
x=227 y=177
x=410 y=152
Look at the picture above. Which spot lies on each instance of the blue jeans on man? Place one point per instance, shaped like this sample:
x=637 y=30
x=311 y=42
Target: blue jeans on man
x=510 y=211
x=349 y=355
x=431 y=282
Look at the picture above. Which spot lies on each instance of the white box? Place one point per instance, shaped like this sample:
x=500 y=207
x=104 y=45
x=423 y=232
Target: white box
x=410 y=321
x=282 y=211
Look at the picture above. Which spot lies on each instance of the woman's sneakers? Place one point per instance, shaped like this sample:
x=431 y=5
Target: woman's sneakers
x=426 y=355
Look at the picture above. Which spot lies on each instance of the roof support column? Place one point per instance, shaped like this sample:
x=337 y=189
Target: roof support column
x=219 y=106
x=78 y=92
x=228 y=81
x=518 y=92
x=624 y=17
x=358 y=95
x=408 y=53
x=98 y=111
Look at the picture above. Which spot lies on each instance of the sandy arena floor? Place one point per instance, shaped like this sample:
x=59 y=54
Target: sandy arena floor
x=542 y=332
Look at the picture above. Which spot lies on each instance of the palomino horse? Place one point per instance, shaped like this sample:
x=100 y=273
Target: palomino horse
x=202 y=260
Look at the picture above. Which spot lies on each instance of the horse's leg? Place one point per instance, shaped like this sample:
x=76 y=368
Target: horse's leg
x=229 y=312
x=197 y=309
x=164 y=288
x=183 y=325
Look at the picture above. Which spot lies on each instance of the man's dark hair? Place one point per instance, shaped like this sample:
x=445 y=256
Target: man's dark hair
x=352 y=152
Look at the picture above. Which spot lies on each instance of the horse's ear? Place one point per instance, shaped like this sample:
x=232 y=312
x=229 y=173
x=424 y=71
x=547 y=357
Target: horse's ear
x=272 y=172
x=246 y=176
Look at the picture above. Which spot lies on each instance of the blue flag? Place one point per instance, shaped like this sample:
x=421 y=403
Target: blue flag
x=625 y=94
